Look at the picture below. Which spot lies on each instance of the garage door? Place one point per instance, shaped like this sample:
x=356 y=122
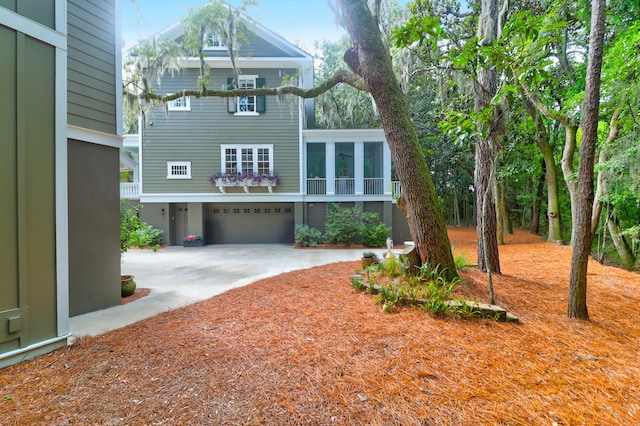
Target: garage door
x=241 y=223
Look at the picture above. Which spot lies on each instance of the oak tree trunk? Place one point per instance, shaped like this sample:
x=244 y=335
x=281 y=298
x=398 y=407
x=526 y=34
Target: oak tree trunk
x=537 y=202
x=370 y=59
x=551 y=175
x=625 y=253
x=569 y=173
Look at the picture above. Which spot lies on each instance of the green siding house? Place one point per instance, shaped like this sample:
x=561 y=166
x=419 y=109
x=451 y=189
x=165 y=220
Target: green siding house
x=182 y=147
x=59 y=150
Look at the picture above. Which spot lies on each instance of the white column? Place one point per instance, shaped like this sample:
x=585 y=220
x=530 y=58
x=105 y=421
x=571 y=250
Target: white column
x=358 y=167
x=386 y=168
x=330 y=153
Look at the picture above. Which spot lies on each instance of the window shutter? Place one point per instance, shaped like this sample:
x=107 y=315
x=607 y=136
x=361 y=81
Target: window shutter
x=231 y=101
x=261 y=101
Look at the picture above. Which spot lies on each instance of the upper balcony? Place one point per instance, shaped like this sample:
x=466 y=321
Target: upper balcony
x=347 y=163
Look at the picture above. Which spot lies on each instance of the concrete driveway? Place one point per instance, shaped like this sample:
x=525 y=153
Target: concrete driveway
x=179 y=276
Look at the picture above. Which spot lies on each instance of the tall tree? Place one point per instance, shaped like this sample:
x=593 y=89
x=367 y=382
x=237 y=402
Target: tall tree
x=370 y=59
x=487 y=145
x=591 y=108
x=551 y=176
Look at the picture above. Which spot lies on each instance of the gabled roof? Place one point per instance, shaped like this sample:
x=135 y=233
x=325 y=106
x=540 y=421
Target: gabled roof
x=279 y=43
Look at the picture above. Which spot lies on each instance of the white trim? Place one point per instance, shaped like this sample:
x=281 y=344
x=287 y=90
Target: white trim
x=247 y=77
x=128 y=162
x=302 y=149
x=61 y=18
x=172 y=164
x=239 y=147
x=248 y=63
x=386 y=169
x=131 y=141
x=346 y=135
x=83 y=134
x=36 y=30
x=241 y=197
x=171 y=105
x=118 y=65
x=31 y=348
x=61 y=178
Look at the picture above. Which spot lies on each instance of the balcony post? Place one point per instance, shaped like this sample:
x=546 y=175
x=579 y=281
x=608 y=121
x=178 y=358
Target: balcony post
x=358 y=167
x=330 y=153
x=386 y=168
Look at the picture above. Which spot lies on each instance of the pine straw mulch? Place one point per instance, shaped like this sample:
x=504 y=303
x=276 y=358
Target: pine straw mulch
x=305 y=348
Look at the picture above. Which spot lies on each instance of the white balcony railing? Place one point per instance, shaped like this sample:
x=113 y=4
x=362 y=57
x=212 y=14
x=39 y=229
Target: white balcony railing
x=373 y=186
x=129 y=190
x=316 y=186
x=345 y=186
x=396 y=189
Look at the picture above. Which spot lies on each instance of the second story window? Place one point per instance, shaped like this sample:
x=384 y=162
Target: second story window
x=247 y=105
x=214 y=41
x=180 y=104
x=247 y=159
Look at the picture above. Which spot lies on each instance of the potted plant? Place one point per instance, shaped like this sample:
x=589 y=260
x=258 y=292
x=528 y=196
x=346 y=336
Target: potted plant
x=193 y=240
x=135 y=233
x=368 y=258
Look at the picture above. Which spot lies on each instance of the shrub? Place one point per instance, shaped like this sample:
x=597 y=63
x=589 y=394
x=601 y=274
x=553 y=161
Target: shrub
x=353 y=226
x=136 y=233
x=152 y=236
x=307 y=236
x=344 y=226
x=376 y=235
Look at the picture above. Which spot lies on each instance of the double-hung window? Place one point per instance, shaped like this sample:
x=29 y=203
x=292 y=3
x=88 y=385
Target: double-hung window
x=180 y=104
x=247 y=105
x=247 y=159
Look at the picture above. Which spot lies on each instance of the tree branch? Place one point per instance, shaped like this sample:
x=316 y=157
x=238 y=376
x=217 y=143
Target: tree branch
x=340 y=76
x=544 y=109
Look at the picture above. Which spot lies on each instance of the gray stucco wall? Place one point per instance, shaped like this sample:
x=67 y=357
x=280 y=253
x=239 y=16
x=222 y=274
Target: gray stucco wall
x=94 y=225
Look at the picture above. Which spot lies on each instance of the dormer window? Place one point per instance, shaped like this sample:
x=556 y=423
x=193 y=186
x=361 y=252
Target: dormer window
x=214 y=41
x=180 y=104
x=247 y=105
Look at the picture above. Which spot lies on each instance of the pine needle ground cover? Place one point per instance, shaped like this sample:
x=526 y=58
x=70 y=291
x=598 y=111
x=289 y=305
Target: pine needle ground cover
x=305 y=348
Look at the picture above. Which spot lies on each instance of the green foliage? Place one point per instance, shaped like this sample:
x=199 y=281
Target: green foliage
x=388 y=297
x=307 y=236
x=136 y=233
x=357 y=283
x=342 y=107
x=353 y=226
x=375 y=235
x=428 y=289
x=391 y=267
x=461 y=262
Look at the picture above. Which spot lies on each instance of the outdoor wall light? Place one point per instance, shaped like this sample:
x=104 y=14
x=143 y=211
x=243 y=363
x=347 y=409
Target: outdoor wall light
x=162 y=211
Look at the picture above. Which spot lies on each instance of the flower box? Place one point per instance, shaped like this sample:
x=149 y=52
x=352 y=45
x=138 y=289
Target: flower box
x=193 y=243
x=224 y=180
